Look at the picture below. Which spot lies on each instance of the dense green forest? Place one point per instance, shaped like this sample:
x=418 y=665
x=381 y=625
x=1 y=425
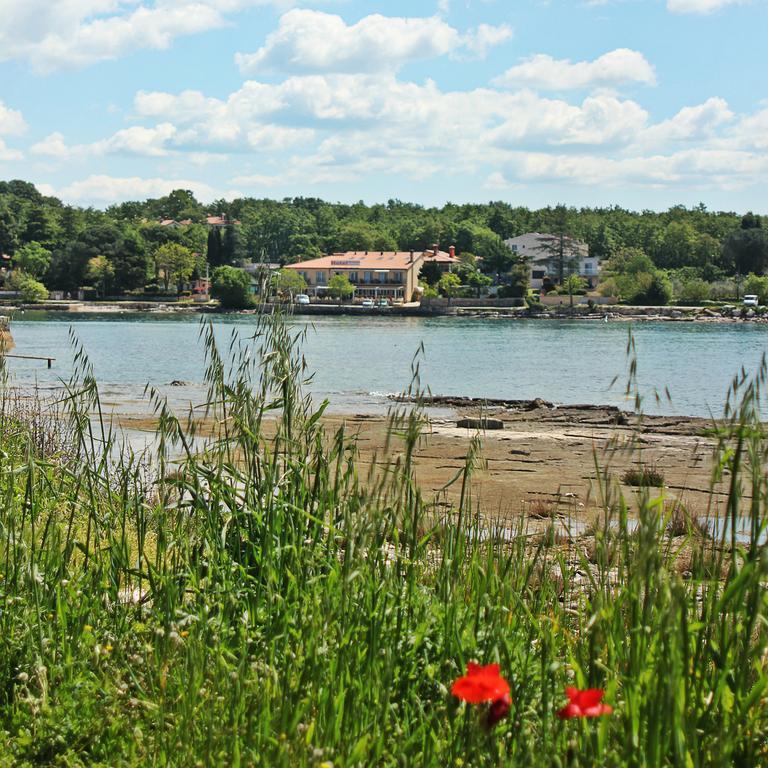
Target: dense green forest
x=125 y=249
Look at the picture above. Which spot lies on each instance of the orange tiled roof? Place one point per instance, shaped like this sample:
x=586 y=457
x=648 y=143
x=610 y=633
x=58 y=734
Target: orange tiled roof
x=371 y=260
x=220 y=221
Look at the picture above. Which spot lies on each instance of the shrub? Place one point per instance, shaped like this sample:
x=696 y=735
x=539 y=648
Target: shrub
x=513 y=291
x=30 y=290
x=723 y=290
x=232 y=287
x=644 y=476
x=757 y=285
x=695 y=291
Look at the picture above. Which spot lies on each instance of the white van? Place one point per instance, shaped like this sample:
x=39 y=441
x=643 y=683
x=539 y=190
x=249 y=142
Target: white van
x=750 y=300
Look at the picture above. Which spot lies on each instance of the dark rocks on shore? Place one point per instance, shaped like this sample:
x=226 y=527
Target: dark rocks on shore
x=484 y=424
x=458 y=401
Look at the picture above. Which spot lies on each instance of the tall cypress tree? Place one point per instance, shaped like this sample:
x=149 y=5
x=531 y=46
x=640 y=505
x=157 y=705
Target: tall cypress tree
x=214 y=253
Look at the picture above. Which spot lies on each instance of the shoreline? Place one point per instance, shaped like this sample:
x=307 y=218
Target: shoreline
x=729 y=314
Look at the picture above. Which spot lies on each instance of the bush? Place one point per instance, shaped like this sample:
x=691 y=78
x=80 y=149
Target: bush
x=535 y=306
x=758 y=286
x=514 y=291
x=723 y=290
x=644 y=476
x=646 y=288
x=232 y=287
x=695 y=291
x=608 y=287
x=30 y=290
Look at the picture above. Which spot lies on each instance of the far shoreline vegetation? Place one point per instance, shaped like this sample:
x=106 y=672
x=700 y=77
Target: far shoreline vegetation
x=159 y=247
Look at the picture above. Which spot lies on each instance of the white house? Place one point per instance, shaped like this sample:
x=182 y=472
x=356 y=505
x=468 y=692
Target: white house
x=539 y=249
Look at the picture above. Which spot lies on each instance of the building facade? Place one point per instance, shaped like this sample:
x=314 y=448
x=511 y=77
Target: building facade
x=392 y=275
x=540 y=251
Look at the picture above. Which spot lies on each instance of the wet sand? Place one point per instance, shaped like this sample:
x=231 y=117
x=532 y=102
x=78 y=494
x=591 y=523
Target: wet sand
x=546 y=460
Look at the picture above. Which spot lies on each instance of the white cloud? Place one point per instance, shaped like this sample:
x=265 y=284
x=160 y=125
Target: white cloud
x=324 y=129
x=617 y=67
x=136 y=140
x=12 y=122
x=104 y=189
x=357 y=125
x=699 y=168
x=185 y=106
x=601 y=119
x=691 y=123
x=76 y=33
x=52 y=145
x=700 y=6
x=166 y=140
x=752 y=130
x=7 y=154
x=485 y=37
x=309 y=41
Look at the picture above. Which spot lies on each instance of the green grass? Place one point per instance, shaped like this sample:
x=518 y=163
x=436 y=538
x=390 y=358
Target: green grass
x=260 y=599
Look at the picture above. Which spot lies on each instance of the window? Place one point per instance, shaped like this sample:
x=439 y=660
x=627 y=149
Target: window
x=539 y=274
x=367 y=277
x=397 y=277
x=514 y=248
x=353 y=277
x=319 y=278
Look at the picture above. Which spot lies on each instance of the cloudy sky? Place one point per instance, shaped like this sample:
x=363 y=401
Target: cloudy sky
x=641 y=103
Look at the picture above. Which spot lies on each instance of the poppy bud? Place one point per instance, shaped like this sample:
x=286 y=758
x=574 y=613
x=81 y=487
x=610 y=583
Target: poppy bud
x=498 y=710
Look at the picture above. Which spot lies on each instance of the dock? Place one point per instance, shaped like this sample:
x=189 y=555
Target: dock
x=32 y=357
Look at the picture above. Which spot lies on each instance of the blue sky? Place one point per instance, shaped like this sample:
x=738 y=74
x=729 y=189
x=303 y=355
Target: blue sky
x=640 y=103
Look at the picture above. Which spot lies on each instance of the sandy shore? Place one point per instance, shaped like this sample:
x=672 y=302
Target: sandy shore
x=545 y=459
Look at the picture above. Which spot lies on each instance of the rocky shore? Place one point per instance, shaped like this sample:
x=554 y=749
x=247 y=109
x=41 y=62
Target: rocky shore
x=616 y=312
x=604 y=313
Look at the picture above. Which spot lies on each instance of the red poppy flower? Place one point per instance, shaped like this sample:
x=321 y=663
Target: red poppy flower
x=587 y=703
x=480 y=684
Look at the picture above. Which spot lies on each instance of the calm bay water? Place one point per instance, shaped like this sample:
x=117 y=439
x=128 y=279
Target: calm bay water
x=358 y=360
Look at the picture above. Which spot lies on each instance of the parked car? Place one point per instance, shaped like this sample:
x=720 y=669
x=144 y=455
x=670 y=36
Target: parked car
x=382 y=303
x=302 y=298
x=750 y=300
x=368 y=303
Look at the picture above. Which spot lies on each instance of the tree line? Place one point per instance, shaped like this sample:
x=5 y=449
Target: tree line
x=124 y=248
